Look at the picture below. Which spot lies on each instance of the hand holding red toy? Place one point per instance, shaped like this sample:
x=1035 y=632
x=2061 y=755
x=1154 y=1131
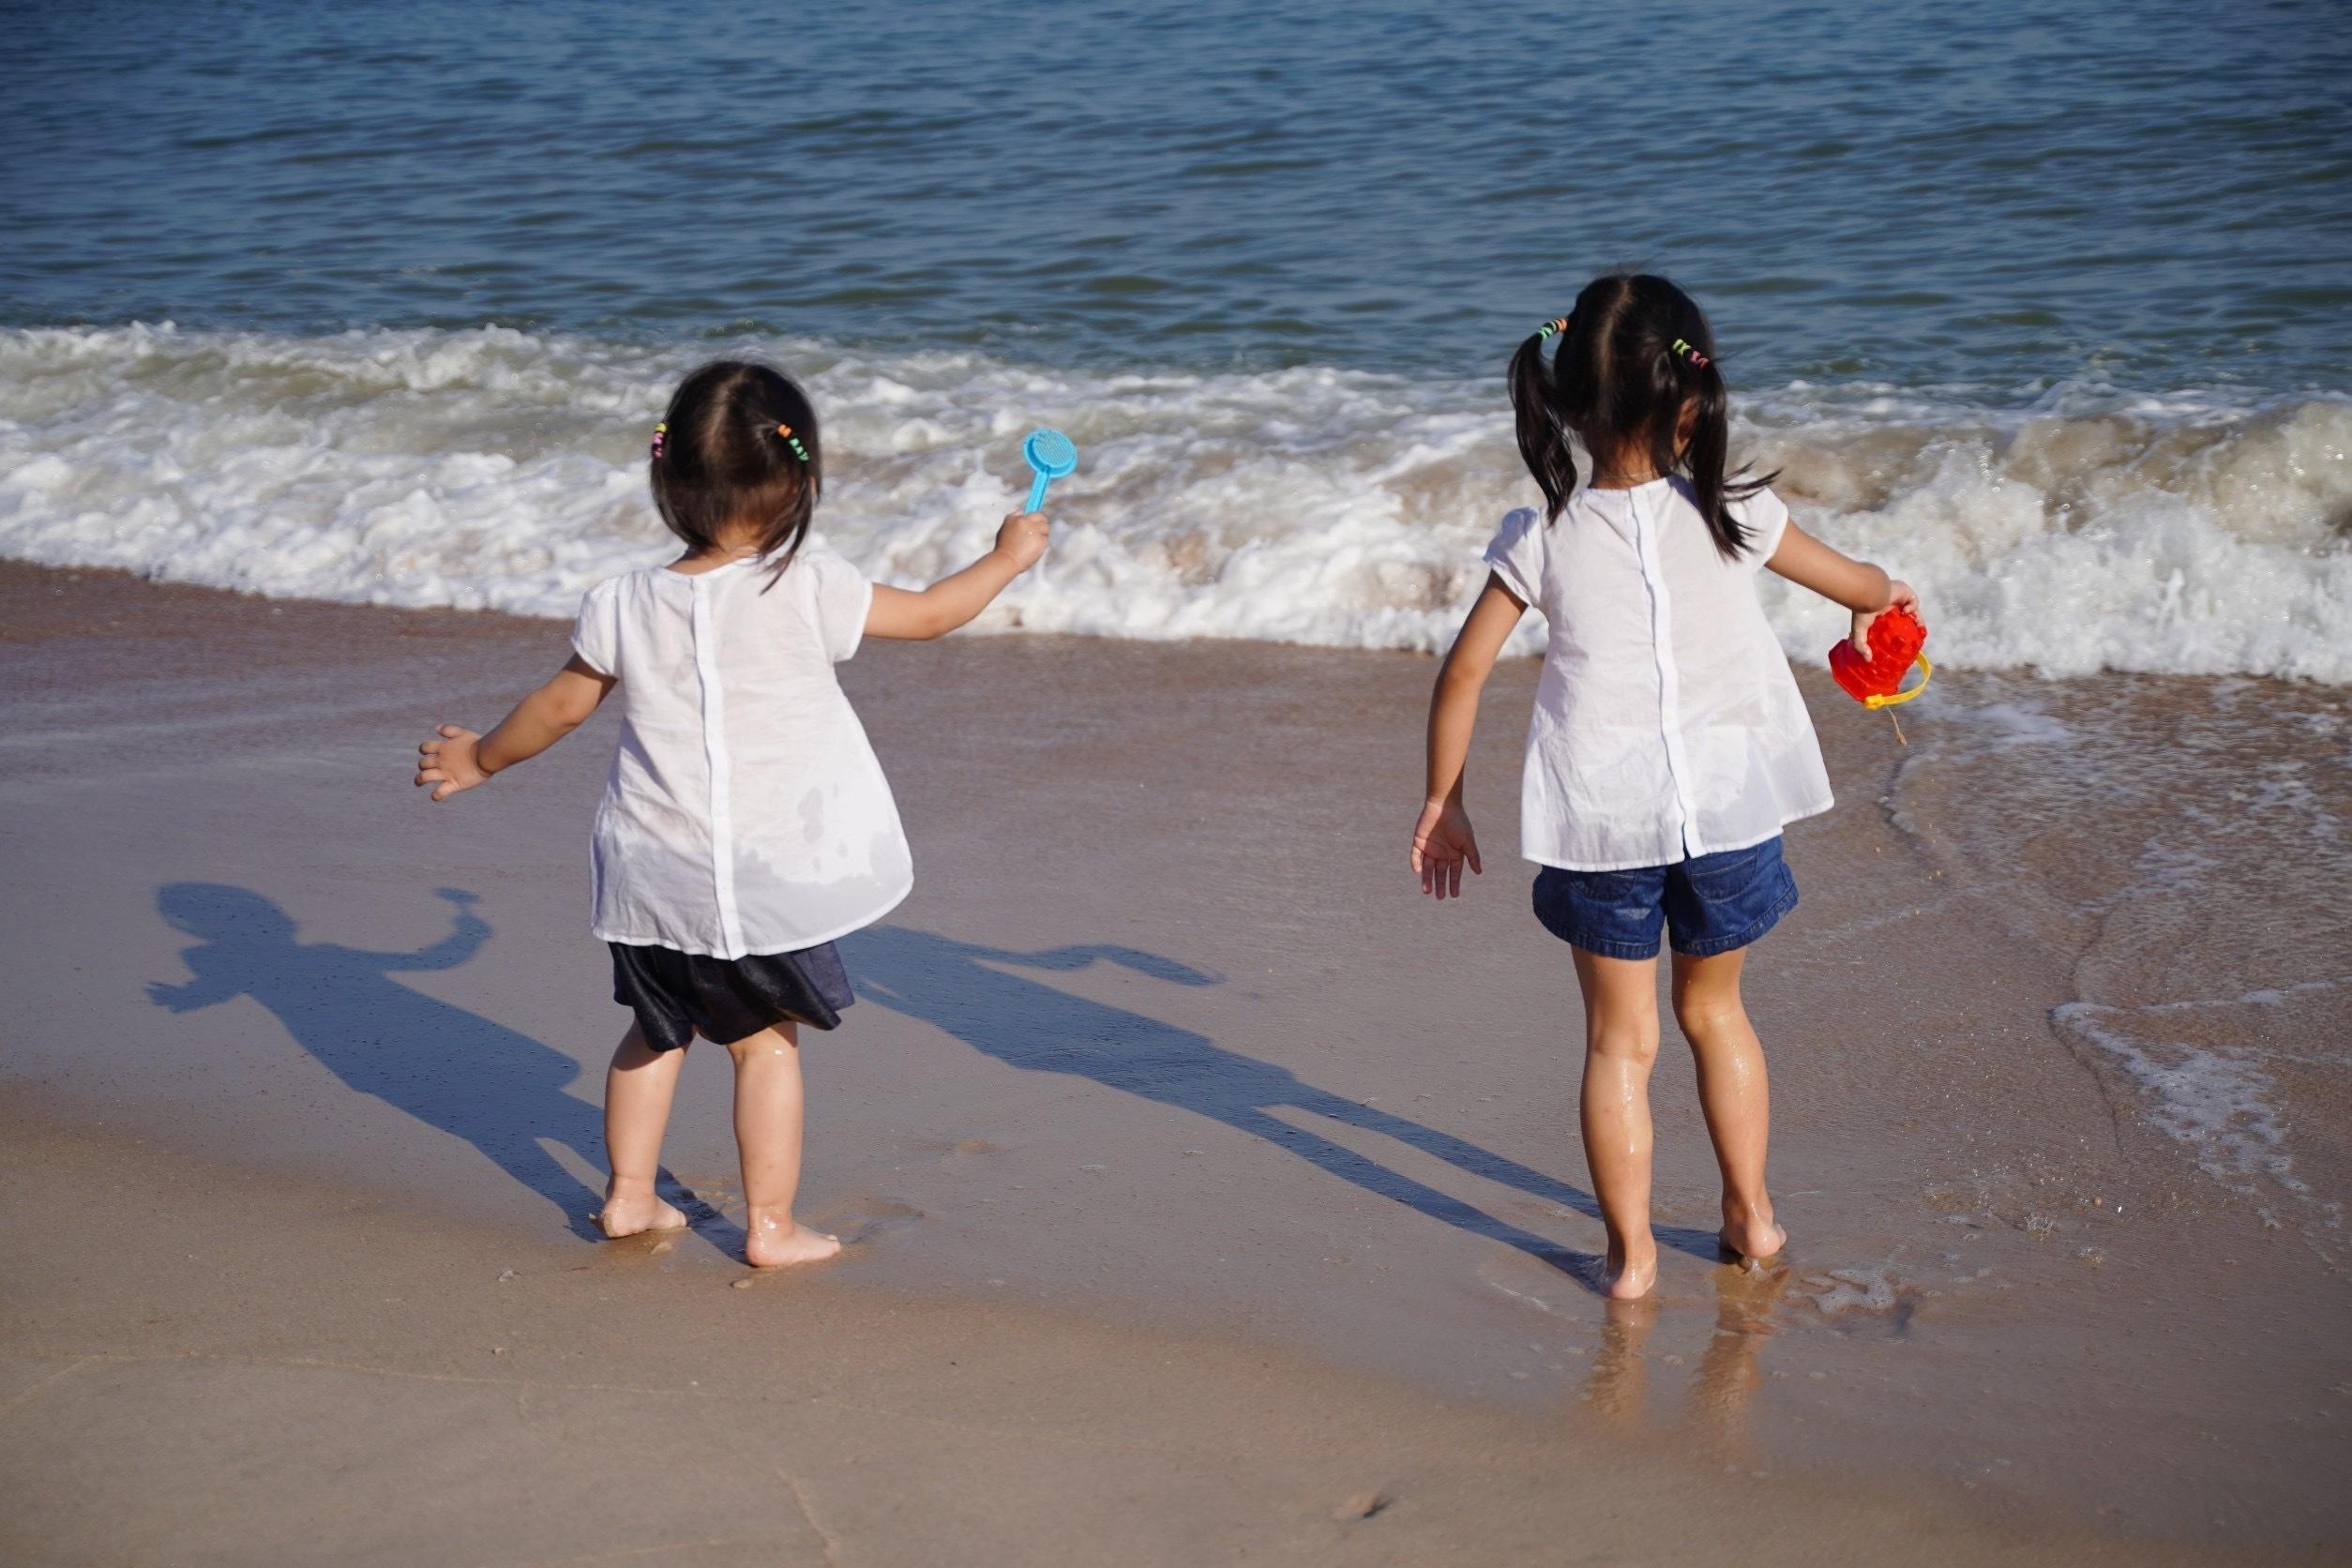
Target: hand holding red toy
x=1896 y=639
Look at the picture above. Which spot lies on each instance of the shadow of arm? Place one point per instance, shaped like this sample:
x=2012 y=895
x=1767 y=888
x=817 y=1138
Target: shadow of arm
x=464 y=940
x=205 y=990
x=1080 y=957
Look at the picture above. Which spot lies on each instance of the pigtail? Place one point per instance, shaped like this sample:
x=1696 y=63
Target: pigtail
x=788 y=528
x=1703 y=458
x=1542 y=440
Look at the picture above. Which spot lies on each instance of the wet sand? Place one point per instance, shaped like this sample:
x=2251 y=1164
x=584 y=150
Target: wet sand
x=1165 y=1045
x=212 y=1364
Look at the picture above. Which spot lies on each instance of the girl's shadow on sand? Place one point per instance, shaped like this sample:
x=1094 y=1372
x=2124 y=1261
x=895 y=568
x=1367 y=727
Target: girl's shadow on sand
x=503 y=1092
x=960 y=989
x=498 y=1089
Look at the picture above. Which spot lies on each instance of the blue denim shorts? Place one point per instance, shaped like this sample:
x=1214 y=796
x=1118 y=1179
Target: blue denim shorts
x=1709 y=904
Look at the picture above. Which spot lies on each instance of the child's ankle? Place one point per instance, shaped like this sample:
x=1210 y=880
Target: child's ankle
x=628 y=1187
x=1638 y=1245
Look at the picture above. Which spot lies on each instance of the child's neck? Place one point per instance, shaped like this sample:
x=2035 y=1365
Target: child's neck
x=724 y=553
x=727 y=547
x=1623 y=468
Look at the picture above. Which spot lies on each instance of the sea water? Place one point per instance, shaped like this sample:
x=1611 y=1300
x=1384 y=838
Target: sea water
x=2044 y=306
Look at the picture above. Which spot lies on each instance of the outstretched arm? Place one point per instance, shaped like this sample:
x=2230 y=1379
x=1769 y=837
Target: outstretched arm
x=458 y=758
x=1442 y=840
x=953 y=601
x=1860 y=587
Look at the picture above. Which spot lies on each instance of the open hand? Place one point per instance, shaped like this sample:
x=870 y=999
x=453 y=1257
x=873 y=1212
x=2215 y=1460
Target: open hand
x=448 y=763
x=1442 y=845
x=1902 y=593
x=1022 y=538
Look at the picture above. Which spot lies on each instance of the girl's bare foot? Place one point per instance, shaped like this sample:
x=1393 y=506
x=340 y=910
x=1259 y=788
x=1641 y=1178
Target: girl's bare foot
x=1627 y=1276
x=774 y=1241
x=1747 y=1235
x=633 y=1214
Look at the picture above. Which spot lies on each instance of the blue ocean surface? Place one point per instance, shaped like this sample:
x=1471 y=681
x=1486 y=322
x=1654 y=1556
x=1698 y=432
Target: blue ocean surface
x=1925 y=193
x=2049 y=305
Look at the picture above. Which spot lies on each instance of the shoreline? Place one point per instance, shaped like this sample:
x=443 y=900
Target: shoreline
x=1305 y=1136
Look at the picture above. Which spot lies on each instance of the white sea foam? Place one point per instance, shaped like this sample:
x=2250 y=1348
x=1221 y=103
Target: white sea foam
x=494 y=468
x=1854 y=1290
x=2221 y=1100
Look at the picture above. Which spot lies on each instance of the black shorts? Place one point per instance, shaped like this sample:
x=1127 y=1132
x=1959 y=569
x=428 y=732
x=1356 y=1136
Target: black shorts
x=679 y=995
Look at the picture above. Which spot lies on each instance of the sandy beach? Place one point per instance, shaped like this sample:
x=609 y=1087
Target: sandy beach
x=1232 y=1209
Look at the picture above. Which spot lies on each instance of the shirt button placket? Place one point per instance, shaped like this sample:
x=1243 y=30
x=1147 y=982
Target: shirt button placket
x=1669 y=682
x=705 y=622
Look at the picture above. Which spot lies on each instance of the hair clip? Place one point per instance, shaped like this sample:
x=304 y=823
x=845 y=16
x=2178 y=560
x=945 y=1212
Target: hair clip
x=1689 y=353
x=1559 y=324
x=785 y=434
x=659 y=433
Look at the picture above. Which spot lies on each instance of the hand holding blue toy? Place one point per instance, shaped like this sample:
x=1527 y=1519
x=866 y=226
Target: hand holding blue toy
x=1054 y=456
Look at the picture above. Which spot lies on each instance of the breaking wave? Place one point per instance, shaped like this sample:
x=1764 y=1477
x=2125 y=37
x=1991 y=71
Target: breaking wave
x=2071 y=529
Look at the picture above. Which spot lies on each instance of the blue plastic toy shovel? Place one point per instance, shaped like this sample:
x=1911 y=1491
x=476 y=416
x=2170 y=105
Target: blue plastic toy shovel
x=1054 y=456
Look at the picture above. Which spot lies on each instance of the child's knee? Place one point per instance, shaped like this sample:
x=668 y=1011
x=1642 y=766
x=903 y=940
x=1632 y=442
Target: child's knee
x=782 y=1039
x=1709 y=1016
x=1633 y=1041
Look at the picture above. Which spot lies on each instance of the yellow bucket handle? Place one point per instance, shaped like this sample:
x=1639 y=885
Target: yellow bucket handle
x=1926 y=673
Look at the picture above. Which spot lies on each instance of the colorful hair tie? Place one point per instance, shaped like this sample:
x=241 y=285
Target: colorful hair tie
x=1684 y=349
x=785 y=431
x=659 y=433
x=1557 y=324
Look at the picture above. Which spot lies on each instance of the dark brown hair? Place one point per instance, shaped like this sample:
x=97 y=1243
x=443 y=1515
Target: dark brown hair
x=722 y=463
x=1635 y=349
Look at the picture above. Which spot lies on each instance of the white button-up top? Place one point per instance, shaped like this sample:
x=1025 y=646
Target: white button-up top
x=1668 y=723
x=745 y=812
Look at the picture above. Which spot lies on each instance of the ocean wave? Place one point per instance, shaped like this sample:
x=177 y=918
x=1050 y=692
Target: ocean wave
x=2071 y=529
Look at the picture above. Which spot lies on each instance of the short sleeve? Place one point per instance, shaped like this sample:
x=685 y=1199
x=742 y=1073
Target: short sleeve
x=597 y=635
x=1766 y=518
x=843 y=596
x=1516 y=554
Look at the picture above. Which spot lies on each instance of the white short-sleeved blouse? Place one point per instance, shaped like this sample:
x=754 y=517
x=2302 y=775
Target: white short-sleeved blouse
x=1668 y=723
x=745 y=812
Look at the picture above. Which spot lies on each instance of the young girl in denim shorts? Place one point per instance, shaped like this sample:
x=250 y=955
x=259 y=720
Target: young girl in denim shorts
x=1669 y=746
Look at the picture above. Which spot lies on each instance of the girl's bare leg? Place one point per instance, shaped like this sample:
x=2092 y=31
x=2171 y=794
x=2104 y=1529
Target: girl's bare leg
x=767 y=1130
x=1621 y=1046
x=1733 y=1093
x=638 y=1089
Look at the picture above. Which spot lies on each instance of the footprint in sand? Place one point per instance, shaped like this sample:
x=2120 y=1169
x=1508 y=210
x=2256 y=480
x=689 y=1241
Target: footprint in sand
x=960 y=1146
x=857 y=1220
x=702 y=1199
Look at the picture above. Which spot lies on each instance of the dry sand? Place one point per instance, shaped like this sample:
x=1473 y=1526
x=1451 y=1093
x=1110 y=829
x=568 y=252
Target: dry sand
x=1236 y=1180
